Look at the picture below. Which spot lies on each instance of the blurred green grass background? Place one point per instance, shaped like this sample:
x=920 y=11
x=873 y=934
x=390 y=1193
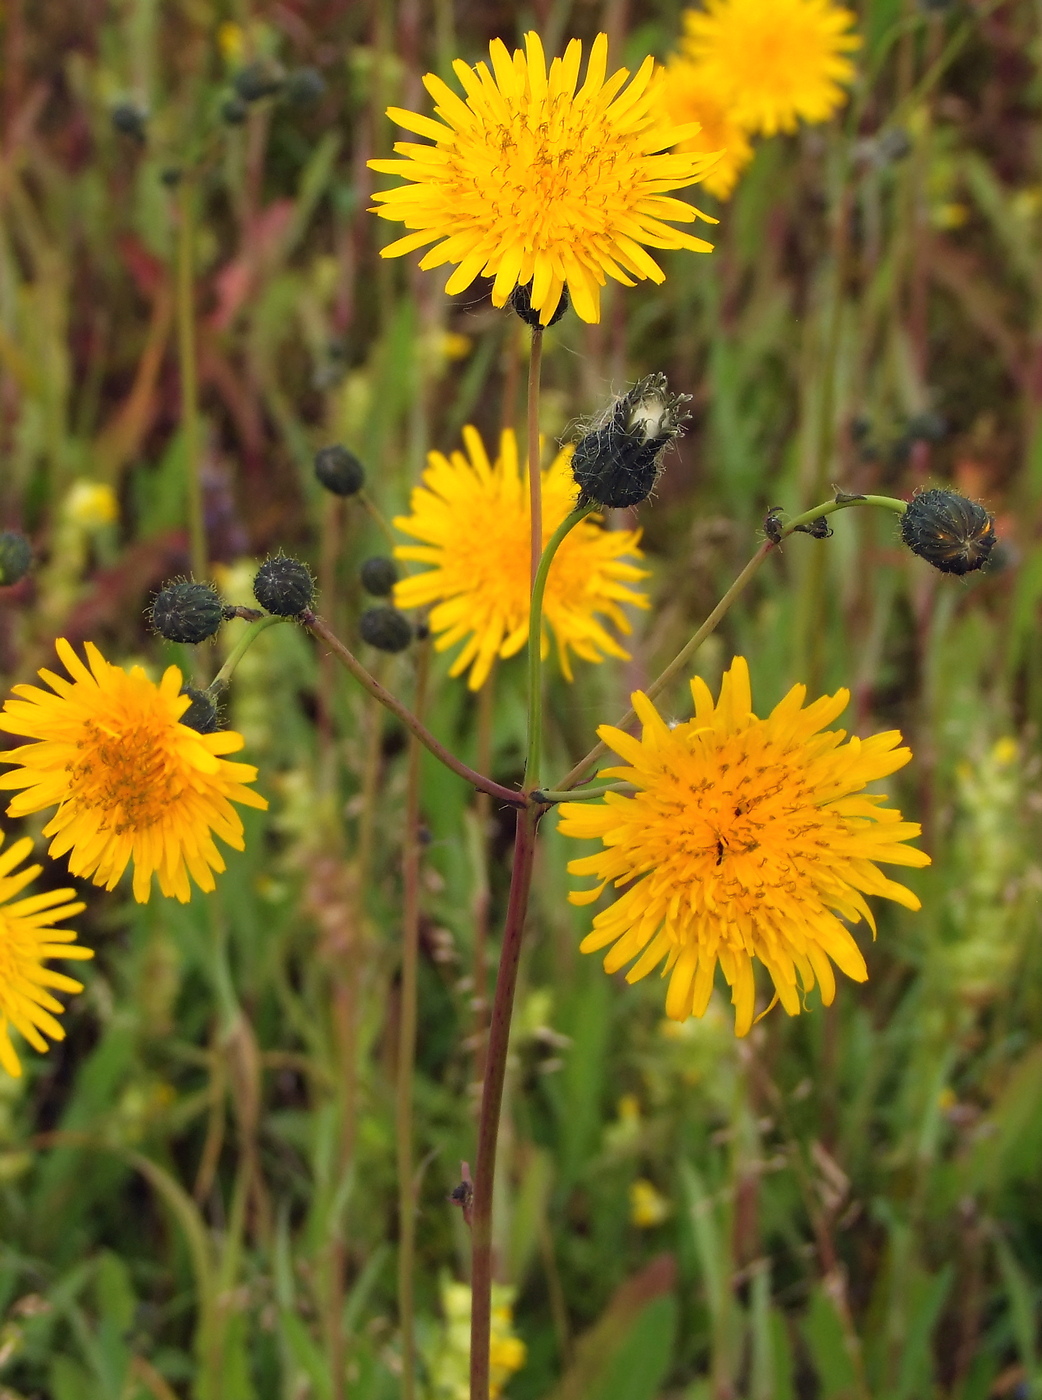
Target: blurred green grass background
x=197 y=1194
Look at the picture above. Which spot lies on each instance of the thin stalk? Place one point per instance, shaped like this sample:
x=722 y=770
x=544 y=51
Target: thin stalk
x=549 y=795
x=222 y=680
x=712 y=622
x=407 y=1043
x=535 y=475
x=368 y=682
x=377 y=516
x=482 y=817
x=185 y=294
x=535 y=645
x=492 y=1102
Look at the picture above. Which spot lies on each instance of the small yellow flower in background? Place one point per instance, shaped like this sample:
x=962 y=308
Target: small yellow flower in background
x=91 y=505
x=778 y=61
x=231 y=41
x=474 y=521
x=745 y=839
x=448 y=1358
x=532 y=179
x=691 y=97
x=28 y=939
x=131 y=783
x=648 y=1207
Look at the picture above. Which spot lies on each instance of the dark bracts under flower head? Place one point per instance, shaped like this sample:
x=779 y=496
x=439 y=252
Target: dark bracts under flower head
x=950 y=532
x=188 y=612
x=617 y=464
x=521 y=301
x=16 y=556
x=284 y=586
x=202 y=714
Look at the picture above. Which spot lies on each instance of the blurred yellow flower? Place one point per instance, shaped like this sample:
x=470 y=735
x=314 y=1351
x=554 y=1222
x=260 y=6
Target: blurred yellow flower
x=648 y=1207
x=130 y=781
x=474 y=521
x=530 y=180
x=448 y=1358
x=231 y=41
x=779 y=61
x=745 y=839
x=28 y=939
x=691 y=97
x=91 y=505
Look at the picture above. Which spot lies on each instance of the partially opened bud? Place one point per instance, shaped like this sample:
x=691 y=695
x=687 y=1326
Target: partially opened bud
x=617 y=464
x=950 y=532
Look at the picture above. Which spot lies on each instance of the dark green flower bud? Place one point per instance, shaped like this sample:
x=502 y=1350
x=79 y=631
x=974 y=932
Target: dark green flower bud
x=284 y=586
x=339 y=470
x=617 y=463
x=521 y=301
x=948 y=531
x=129 y=120
x=304 y=86
x=385 y=628
x=234 y=110
x=202 y=714
x=378 y=575
x=16 y=556
x=170 y=176
x=188 y=612
x=257 y=80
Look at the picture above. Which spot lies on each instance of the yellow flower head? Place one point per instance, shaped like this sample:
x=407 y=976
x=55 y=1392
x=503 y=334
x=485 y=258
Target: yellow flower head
x=648 y=1206
x=475 y=524
x=28 y=939
x=745 y=839
x=129 y=780
x=691 y=97
x=532 y=179
x=91 y=505
x=779 y=60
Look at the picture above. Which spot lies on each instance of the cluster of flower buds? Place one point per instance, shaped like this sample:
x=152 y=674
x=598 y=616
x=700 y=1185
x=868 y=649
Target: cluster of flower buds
x=384 y=627
x=261 y=79
x=618 y=462
x=16 y=557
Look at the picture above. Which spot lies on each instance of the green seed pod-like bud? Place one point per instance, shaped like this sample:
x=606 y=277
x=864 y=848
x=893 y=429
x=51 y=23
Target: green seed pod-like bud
x=202 y=714
x=188 y=612
x=521 y=301
x=284 y=586
x=339 y=470
x=257 y=80
x=16 y=555
x=948 y=531
x=385 y=628
x=617 y=464
x=129 y=120
x=304 y=86
x=378 y=575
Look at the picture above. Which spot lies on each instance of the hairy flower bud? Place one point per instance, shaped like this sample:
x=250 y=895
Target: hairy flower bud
x=188 y=612
x=339 y=470
x=617 y=463
x=948 y=531
x=284 y=586
x=521 y=301
x=202 y=714
x=16 y=555
x=387 y=629
x=378 y=575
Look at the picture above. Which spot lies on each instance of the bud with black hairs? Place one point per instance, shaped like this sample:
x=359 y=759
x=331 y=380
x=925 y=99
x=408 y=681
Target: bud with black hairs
x=188 y=612
x=617 y=463
x=284 y=586
x=950 y=532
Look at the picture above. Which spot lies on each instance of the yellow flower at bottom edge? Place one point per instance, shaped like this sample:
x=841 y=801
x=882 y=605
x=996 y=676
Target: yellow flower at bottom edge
x=474 y=520
x=691 y=97
x=779 y=61
x=28 y=939
x=746 y=839
x=129 y=780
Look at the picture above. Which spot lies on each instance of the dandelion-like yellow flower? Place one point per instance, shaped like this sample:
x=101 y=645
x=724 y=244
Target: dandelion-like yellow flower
x=531 y=178
x=28 y=939
x=129 y=780
x=777 y=60
x=691 y=97
x=474 y=520
x=747 y=838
